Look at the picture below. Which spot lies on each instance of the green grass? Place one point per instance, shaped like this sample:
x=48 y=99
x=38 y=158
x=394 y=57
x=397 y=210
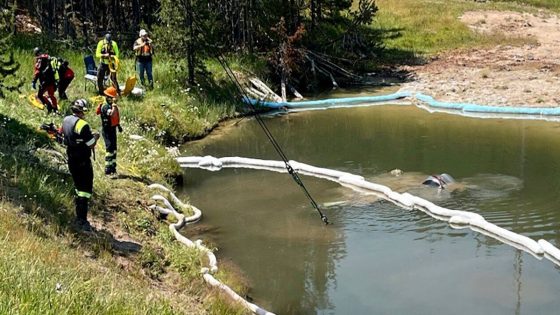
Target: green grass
x=36 y=194
x=414 y=29
x=45 y=276
x=548 y=4
x=36 y=199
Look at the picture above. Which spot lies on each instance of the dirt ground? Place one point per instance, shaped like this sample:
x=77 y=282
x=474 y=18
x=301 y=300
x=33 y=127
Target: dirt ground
x=503 y=75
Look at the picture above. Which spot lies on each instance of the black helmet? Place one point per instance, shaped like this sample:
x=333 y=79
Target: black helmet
x=36 y=51
x=108 y=37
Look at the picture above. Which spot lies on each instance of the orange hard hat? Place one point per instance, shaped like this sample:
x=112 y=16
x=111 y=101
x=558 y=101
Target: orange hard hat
x=111 y=92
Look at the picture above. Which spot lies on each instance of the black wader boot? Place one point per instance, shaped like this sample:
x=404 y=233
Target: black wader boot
x=110 y=138
x=81 y=213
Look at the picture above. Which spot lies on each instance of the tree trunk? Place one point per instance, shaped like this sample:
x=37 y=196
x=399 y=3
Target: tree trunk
x=55 y=17
x=250 y=25
x=190 y=50
x=293 y=23
x=283 y=87
x=65 y=22
x=50 y=17
x=14 y=14
x=136 y=13
x=313 y=14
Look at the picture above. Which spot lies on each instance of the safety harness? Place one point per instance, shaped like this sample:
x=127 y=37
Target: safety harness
x=146 y=50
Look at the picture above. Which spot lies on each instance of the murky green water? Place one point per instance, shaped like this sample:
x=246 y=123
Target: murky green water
x=377 y=258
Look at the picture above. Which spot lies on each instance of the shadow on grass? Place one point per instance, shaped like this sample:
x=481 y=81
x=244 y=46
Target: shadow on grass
x=43 y=191
x=101 y=240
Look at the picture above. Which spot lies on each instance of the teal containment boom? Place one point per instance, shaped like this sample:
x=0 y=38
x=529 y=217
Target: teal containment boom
x=331 y=102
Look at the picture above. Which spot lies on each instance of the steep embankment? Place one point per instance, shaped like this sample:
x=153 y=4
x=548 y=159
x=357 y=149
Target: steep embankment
x=131 y=263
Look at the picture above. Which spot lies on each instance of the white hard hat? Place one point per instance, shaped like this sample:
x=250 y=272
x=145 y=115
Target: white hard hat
x=81 y=102
x=79 y=105
x=143 y=32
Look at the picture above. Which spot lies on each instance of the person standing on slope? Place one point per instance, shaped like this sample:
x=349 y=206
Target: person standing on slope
x=80 y=142
x=144 y=51
x=48 y=79
x=108 y=53
x=110 y=122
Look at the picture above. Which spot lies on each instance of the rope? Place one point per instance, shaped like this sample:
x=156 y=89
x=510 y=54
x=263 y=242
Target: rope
x=113 y=64
x=267 y=132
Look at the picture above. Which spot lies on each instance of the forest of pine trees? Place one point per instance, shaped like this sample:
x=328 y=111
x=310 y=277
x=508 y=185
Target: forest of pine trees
x=194 y=29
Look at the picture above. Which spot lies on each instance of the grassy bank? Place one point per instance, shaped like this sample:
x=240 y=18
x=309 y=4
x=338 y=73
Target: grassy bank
x=132 y=263
x=43 y=275
x=415 y=29
x=178 y=113
x=548 y=4
x=37 y=202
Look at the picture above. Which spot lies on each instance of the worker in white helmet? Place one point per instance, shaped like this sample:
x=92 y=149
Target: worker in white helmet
x=144 y=50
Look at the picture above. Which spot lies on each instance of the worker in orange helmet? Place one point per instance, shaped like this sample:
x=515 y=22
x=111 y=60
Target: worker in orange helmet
x=110 y=123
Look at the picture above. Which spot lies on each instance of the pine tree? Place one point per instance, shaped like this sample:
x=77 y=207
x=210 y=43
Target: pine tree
x=8 y=65
x=181 y=32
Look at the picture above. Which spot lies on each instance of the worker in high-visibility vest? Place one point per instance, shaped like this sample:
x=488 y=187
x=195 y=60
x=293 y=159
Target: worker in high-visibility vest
x=80 y=142
x=144 y=49
x=108 y=53
x=110 y=123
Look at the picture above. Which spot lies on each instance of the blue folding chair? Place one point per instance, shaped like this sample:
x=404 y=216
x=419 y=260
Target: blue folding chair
x=91 y=72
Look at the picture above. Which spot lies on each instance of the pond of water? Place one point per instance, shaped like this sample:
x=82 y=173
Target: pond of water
x=377 y=258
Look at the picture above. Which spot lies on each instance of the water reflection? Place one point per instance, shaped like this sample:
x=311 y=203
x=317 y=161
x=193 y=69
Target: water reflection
x=295 y=266
x=378 y=258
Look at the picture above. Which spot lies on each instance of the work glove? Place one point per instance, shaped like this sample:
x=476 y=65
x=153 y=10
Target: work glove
x=119 y=127
x=34 y=85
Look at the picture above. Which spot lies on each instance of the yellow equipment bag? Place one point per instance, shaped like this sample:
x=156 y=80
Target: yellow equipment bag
x=34 y=101
x=129 y=85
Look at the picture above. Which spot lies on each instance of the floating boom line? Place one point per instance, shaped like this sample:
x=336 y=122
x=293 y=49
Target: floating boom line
x=457 y=219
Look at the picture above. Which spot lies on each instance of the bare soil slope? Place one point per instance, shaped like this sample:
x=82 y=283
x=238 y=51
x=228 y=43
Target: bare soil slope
x=502 y=75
